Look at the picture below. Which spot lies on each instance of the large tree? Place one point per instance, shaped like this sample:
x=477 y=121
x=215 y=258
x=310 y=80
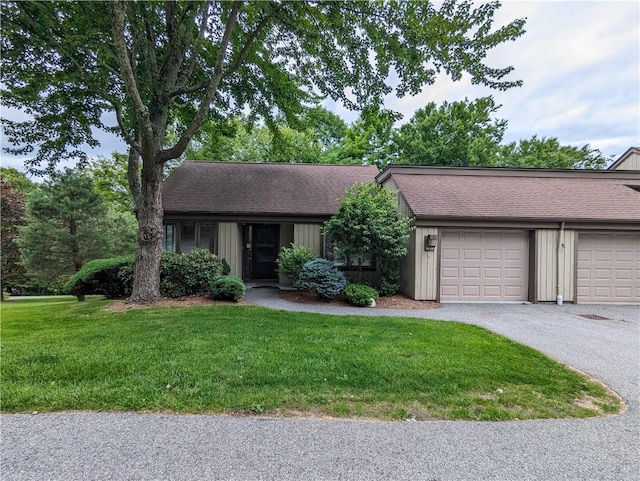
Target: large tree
x=462 y=133
x=549 y=153
x=67 y=224
x=14 y=187
x=154 y=64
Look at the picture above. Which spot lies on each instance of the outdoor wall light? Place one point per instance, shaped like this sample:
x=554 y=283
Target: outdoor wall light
x=430 y=242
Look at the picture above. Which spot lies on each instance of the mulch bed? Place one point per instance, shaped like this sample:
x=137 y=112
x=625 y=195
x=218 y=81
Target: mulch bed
x=398 y=301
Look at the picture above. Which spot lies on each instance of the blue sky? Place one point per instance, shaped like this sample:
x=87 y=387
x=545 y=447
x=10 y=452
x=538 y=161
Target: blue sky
x=580 y=63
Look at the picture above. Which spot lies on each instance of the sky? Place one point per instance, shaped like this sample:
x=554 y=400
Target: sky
x=580 y=67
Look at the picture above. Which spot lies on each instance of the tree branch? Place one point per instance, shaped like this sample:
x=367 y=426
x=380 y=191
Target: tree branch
x=142 y=113
x=183 y=142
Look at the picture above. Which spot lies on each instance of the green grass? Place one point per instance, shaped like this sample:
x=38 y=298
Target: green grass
x=65 y=355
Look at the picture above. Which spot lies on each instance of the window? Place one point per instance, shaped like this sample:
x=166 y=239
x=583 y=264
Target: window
x=169 y=241
x=187 y=237
x=330 y=253
x=183 y=237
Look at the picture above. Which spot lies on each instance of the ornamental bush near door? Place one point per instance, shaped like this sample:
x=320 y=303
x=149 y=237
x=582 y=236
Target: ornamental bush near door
x=322 y=277
x=228 y=288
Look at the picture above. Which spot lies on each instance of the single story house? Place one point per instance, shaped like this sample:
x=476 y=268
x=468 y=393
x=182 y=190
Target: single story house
x=482 y=235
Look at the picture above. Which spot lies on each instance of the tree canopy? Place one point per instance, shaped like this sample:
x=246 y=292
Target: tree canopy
x=155 y=64
x=466 y=133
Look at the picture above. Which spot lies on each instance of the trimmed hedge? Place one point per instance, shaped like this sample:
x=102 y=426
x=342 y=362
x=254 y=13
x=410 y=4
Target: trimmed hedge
x=189 y=274
x=101 y=276
x=228 y=288
x=360 y=295
x=322 y=277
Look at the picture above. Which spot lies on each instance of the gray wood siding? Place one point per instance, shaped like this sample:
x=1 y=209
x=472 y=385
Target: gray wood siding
x=230 y=246
x=632 y=162
x=426 y=266
x=308 y=235
x=547 y=265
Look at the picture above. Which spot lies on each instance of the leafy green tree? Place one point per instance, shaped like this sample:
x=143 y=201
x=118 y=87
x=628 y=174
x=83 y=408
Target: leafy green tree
x=157 y=64
x=14 y=187
x=110 y=179
x=67 y=224
x=244 y=142
x=368 y=140
x=455 y=134
x=548 y=153
x=367 y=224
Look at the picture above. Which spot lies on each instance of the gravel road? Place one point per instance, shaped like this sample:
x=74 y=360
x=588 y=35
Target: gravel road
x=128 y=446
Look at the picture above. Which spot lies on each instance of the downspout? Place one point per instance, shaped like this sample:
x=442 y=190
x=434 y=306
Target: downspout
x=559 y=249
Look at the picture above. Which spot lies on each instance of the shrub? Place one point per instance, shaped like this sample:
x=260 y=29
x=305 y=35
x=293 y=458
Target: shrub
x=323 y=278
x=386 y=288
x=292 y=259
x=189 y=274
x=228 y=288
x=360 y=295
x=101 y=276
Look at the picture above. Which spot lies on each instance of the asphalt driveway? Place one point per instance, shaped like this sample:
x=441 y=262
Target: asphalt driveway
x=116 y=446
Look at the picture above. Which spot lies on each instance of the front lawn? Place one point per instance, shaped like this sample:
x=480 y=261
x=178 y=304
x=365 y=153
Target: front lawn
x=65 y=355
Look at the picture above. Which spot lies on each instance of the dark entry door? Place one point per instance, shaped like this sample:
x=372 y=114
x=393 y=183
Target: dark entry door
x=264 y=251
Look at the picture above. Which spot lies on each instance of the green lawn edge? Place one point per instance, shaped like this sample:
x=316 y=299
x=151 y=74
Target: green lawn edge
x=60 y=355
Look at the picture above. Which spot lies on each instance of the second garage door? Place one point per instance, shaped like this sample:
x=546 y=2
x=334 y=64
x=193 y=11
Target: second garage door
x=609 y=268
x=484 y=266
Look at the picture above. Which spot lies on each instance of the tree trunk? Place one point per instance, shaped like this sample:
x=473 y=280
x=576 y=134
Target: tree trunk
x=146 y=279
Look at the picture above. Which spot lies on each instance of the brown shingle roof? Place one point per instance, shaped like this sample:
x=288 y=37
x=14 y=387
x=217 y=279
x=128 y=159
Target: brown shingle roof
x=565 y=196
x=249 y=188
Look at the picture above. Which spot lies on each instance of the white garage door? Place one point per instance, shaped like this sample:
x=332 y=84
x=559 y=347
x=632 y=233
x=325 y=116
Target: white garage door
x=608 y=268
x=484 y=266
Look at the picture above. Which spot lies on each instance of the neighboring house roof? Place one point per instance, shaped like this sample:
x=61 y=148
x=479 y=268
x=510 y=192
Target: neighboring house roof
x=632 y=156
x=518 y=194
x=230 y=188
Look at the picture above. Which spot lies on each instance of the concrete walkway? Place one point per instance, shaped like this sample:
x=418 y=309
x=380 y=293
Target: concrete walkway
x=115 y=446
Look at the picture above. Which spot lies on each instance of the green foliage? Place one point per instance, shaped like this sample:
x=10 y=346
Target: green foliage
x=110 y=178
x=229 y=288
x=291 y=260
x=189 y=274
x=102 y=276
x=368 y=140
x=387 y=287
x=368 y=222
x=13 y=188
x=360 y=295
x=68 y=224
x=322 y=277
x=548 y=153
x=456 y=134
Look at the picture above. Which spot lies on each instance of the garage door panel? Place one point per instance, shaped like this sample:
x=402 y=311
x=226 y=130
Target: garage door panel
x=608 y=268
x=493 y=266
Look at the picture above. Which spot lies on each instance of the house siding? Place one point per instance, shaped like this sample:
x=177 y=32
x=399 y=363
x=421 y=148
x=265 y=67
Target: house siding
x=286 y=239
x=308 y=235
x=547 y=256
x=631 y=162
x=426 y=266
x=230 y=246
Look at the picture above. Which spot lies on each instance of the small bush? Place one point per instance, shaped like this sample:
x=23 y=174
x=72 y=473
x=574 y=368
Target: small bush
x=360 y=295
x=189 y=274
x=386 y=288
x=292 y=259
x=323 y=278
x=228 y=288
x=101 y=276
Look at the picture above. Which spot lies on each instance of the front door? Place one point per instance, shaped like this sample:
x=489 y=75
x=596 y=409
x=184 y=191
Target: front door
x=264 y=251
